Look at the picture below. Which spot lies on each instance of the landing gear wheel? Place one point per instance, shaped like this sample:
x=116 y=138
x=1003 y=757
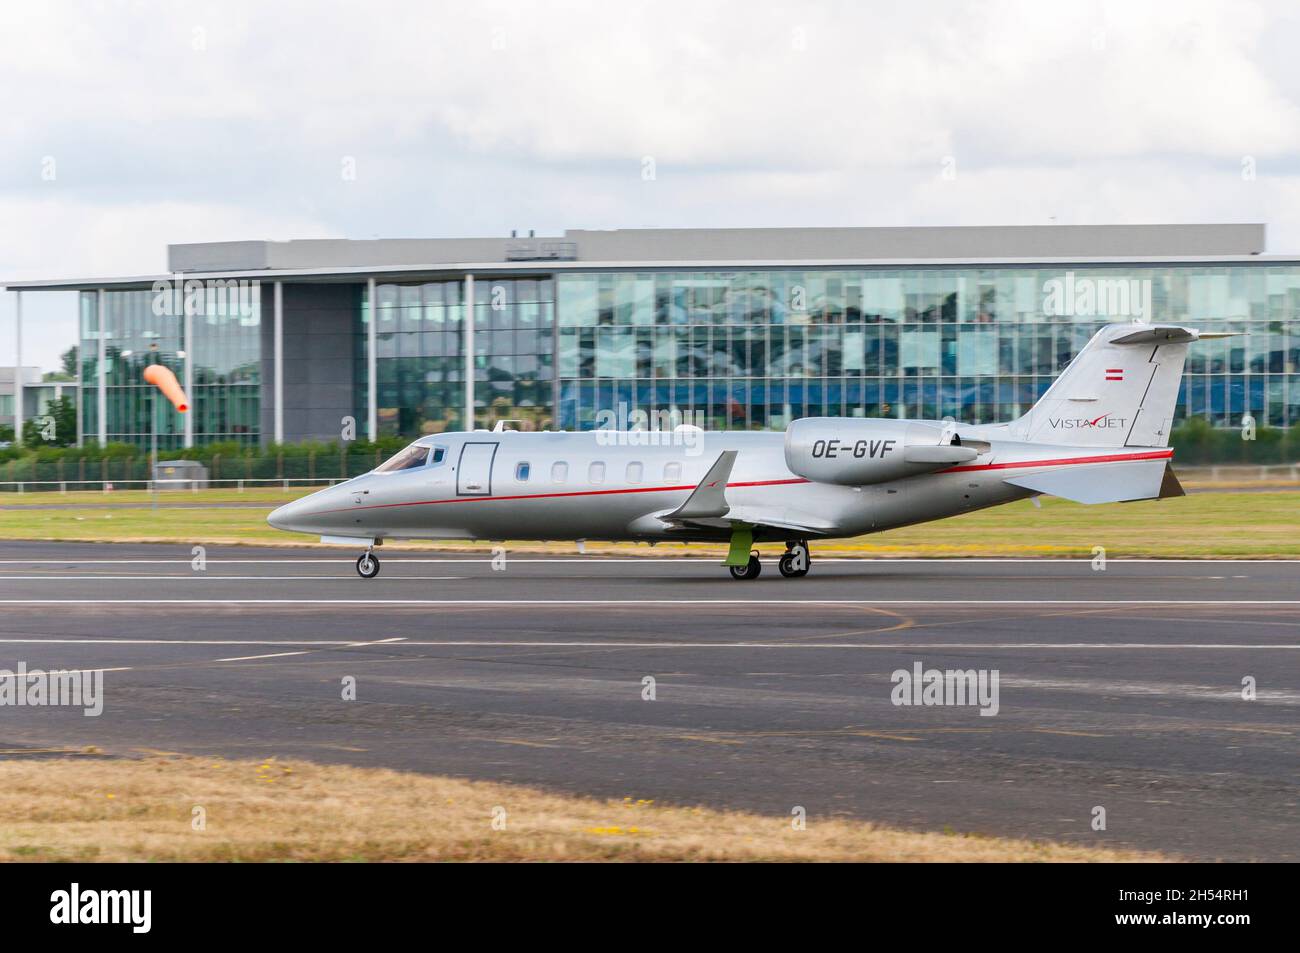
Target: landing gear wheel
x=795 y=563
x=748 y=571
x=368 y=565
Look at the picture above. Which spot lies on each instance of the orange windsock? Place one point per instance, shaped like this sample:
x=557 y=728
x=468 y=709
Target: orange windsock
x=165 y=381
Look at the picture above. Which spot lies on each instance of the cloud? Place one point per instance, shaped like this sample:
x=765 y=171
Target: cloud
x=63 y=238
x=197 y=122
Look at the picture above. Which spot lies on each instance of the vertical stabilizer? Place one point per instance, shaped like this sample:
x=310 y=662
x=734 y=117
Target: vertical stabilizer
x=1119 y=391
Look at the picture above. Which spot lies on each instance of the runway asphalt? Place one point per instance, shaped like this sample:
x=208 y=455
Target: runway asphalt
x=1118 y=688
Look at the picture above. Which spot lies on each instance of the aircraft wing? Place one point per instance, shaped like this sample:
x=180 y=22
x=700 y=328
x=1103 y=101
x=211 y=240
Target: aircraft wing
x=707 y=506
x=758 y=517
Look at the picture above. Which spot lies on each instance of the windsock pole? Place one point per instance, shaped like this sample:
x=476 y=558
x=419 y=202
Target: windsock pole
x=165 y=381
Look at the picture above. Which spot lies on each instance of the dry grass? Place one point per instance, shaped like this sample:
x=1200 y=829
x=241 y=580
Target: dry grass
x=1232 y=525
x=141 y=810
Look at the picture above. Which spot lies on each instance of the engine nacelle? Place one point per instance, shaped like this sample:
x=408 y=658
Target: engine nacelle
x=850 y=451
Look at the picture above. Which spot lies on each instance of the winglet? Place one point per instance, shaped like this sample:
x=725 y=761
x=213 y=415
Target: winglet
x=709 y=499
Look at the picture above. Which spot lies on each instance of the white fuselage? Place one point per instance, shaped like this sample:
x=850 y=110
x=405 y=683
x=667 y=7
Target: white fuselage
x=606 y=485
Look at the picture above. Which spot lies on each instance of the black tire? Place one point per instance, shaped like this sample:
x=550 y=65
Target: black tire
x=748 y=571
x=367 y=565
x=796 y=561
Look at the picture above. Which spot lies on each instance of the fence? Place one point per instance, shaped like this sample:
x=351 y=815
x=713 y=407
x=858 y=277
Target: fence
x=1236 y=473
x=29 y=473
x=239 y=486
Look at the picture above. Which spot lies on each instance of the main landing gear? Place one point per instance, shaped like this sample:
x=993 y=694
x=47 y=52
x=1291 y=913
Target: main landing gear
x=796 y=560
x=368 y=565
x=743 y=561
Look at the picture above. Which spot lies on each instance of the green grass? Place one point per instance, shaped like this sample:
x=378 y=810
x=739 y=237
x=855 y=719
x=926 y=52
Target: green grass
x=272 y=495
x=1245 y=525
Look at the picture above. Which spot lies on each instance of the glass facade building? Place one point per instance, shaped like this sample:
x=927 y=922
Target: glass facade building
x=420 y=354
x=567 y=332
x=224 y=381
x=756 y=349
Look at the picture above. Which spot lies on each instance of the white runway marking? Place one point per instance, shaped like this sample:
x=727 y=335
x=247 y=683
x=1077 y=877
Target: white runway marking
x=245 y=658
x=72 y=671
x=645 y=560
x=592 y=644
x=751 y=603
x=346 y=645
x=206 y=575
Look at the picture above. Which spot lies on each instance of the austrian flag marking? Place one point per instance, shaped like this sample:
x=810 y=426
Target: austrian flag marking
x=1114 y=373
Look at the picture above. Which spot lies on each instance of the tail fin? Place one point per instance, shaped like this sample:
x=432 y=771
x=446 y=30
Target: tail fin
x=1119 y=391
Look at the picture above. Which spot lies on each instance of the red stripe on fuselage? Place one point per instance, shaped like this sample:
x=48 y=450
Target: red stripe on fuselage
x=551 y=496
x=1112 y=458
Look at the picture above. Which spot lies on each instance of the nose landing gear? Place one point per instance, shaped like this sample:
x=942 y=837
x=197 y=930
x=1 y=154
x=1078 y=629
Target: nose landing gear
x=750 y=570
x=368 y=565
x=796 y=561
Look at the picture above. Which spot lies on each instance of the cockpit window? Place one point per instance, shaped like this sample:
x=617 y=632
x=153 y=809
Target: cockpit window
x=408 y=459
x=439 y=454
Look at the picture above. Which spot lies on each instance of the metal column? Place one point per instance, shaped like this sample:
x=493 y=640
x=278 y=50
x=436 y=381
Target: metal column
x=372 y=390
x=188 y=322
x=279 y=362
x=101 y=370
x=469 y=352
x=18 y=368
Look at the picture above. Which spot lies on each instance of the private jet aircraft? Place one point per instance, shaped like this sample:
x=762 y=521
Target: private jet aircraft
x=1099 y=435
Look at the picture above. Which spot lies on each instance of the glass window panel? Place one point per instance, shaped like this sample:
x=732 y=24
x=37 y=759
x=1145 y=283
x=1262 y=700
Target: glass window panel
x=977 y=351
x=578 y=301
x=919 y=348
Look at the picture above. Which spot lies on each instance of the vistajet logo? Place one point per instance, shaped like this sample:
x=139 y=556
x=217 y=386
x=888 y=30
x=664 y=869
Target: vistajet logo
x=74 y=906
x=1104 y=422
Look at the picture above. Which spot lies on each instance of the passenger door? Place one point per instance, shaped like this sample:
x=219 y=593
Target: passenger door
x=474 y=472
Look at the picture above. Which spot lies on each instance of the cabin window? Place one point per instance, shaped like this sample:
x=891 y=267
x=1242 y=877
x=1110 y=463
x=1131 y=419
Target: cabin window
x=559 y=472
x=521 y=472
x=673 y=472
x=634 y=471
x=596 y=472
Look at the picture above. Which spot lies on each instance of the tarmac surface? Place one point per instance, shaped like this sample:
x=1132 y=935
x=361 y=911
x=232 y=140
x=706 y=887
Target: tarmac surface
x=1118 y=688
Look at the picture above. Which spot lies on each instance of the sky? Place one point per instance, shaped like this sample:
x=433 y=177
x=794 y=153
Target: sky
x=132 y=125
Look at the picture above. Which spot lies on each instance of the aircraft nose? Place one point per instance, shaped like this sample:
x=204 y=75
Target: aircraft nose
x=279 y=517
x=290 y=516
x=311 y=514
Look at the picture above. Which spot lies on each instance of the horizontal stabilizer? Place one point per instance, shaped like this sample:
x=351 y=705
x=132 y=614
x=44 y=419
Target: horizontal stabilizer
x=1098 y=482
x=1161 y=334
